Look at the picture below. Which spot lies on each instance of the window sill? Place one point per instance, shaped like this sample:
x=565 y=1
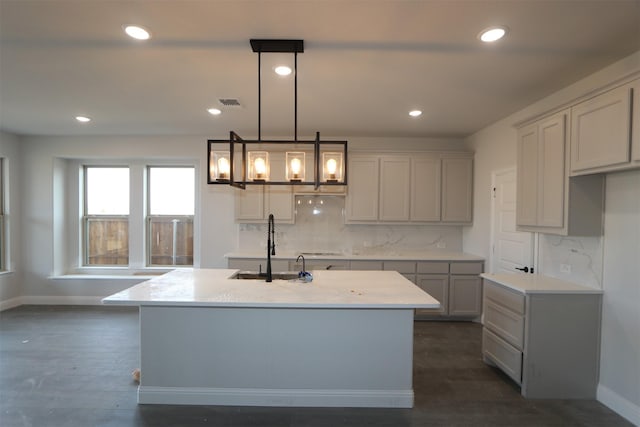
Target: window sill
x=105 y=274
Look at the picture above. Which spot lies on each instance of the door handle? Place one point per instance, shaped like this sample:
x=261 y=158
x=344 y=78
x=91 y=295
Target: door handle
x=525 y=269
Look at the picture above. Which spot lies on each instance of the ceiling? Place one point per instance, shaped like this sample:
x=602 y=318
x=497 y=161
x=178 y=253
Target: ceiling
x=365 y=64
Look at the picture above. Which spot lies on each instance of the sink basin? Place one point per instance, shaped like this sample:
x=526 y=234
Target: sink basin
x=254 y=275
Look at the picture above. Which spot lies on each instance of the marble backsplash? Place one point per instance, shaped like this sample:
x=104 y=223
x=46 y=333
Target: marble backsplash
x=572 y=258
x=320 y=227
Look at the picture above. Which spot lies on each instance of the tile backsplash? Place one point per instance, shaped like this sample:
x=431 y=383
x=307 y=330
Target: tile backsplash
x=572 y=258
x=320 y=227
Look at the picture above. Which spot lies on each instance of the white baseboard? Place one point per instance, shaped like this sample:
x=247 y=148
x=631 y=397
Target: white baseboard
x=619 y=404
x=275 y=397
x=10 y=303
x=50 y=300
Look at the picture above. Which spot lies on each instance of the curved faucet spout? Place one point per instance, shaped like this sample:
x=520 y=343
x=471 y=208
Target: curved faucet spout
x=271 y=245
x=304 y=268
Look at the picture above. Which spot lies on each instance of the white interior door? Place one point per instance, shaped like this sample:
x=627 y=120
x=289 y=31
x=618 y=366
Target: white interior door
x=510 y=249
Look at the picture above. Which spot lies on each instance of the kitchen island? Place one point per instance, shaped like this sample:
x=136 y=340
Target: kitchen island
x=345 y=339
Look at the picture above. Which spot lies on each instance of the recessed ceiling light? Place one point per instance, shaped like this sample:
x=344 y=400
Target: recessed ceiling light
x=415 y=113
x=492 y=34
x=137 y=32
x=283 y=70
x=83 y=119
x=214 y=111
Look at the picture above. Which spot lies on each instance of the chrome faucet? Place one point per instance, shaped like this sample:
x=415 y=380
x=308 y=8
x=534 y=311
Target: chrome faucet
x=271 y=245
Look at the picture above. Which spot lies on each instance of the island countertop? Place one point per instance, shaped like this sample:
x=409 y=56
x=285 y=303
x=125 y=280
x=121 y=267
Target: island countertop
x=329 y=289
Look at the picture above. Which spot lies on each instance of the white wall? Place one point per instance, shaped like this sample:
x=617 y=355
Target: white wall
x=10 y=283
x=495 y=148
x=620 y=353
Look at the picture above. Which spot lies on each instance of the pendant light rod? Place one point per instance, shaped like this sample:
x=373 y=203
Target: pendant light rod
x=295 y=96
x=278 y=46
x=259 y=96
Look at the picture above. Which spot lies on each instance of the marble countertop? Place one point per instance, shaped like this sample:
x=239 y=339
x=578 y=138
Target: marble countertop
x=538 y=284
x=329 y=289
x=400 y=256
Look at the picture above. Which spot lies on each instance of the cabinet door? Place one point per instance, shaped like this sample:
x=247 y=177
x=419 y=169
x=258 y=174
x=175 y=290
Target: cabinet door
x=395 y=187
x=465 y=295
x=457 y=189
x=527 y=196
x=635 y=126
x=600 y=130
x=280 y=203
x=438 y=287
x=425 y=189
x=249 y=204
x=551 y=174
x=362 y=196
x=279 y=198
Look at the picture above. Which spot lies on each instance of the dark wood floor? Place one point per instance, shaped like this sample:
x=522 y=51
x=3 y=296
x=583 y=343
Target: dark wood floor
x=71 y=366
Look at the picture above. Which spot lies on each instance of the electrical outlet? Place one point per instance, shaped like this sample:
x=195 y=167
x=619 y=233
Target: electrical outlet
x=565 y=268
x=441 y=245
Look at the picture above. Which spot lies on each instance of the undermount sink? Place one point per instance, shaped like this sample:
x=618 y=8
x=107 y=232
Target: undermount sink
x=254 y=275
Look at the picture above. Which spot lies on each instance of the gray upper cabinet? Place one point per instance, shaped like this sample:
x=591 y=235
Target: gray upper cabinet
x=362 y=192
x=420 y=188
x=548 y=201
x=395 y=187
x=541 y=172
x=457 y=190
x=604 y=131
x=425 y=189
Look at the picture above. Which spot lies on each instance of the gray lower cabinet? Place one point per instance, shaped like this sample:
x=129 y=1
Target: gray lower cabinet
x=436 y=285
x=457 y=285
x=548 y=343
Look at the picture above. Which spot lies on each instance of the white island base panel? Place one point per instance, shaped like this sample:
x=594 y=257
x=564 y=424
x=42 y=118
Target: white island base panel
x=276 y=356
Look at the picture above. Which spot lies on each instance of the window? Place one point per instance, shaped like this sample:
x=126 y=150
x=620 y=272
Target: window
x=171 y=207
x=106 y=215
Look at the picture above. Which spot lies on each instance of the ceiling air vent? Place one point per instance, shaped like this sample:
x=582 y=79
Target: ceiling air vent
x=229 y=102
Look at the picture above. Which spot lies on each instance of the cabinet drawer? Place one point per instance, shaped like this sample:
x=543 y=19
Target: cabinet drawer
x=514 y=301
x=505 y=356
x=426 y=267
x=504 y=322
x=405 y=267
x=466 y=268
x=366 y=265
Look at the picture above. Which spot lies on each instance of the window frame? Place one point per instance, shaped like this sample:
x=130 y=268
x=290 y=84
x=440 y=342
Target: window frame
x=149 y=217
x=86 y=218
x=71 y=261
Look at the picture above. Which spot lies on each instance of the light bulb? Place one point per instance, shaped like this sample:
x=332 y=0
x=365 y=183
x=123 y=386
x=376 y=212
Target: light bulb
x=332 y=165
x=223 y=167
x=295 y=166
x=260 y=167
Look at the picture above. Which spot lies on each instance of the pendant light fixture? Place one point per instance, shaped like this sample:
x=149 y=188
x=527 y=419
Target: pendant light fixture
x=240 y=162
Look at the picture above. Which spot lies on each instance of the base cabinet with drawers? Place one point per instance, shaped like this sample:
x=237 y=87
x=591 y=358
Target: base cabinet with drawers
x=545 y=338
